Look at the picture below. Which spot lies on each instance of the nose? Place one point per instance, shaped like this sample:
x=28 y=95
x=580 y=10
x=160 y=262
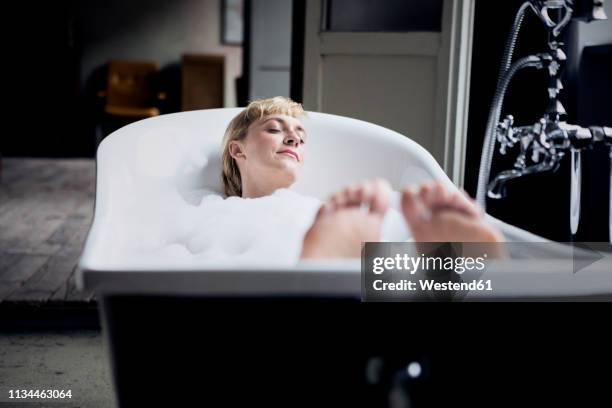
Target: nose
x=292 y=138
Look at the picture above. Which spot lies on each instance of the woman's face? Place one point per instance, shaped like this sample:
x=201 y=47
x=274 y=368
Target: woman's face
x=272 y=149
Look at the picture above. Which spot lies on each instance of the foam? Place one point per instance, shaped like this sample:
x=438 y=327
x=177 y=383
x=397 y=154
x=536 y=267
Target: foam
x=267 y=229
x=210 y=228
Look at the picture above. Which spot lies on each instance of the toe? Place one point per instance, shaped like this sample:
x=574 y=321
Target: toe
x=381 y=197
x=413 y=209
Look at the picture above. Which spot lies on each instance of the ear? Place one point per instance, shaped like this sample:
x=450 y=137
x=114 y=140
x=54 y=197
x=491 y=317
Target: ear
x=235 y=150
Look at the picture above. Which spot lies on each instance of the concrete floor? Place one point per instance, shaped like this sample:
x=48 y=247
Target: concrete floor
x=74 y=360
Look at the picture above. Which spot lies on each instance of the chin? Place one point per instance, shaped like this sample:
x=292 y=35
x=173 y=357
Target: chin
x=289 y=169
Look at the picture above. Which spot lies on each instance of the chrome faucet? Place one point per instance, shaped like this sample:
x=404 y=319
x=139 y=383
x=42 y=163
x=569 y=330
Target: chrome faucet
x=543 y=144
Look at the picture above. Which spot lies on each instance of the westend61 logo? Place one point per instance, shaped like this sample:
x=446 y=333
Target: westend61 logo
x=399 y=271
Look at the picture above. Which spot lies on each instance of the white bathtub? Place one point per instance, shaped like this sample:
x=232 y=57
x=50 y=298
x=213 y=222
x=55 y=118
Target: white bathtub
x=178 y=155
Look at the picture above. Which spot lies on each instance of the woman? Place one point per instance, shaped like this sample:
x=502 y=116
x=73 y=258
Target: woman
x=264 y=151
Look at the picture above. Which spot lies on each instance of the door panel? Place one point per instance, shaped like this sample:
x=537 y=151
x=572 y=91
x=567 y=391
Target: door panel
x=355 y=84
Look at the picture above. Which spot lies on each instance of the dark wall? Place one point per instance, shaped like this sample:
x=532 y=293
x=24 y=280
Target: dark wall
x=41 y=65
x=538 y=203
x=56 y=58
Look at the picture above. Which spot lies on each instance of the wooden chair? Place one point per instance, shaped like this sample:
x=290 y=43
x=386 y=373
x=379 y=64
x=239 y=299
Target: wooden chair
x=131 y=90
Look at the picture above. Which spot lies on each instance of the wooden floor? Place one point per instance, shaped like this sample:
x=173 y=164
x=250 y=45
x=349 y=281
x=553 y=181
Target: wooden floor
x=46 y=207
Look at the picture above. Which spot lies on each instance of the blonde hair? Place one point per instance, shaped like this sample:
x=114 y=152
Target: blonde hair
x=237 y=130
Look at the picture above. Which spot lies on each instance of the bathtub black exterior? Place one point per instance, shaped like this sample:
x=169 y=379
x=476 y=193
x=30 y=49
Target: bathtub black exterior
x=317 y=352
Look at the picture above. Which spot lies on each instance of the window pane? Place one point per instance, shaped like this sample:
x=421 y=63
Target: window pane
x=384 y=15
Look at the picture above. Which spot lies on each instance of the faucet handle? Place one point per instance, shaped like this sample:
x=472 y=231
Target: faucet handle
x=505 y=134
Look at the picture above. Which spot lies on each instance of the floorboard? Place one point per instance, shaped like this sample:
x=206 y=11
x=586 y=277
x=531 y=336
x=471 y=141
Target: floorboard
x=46 y=208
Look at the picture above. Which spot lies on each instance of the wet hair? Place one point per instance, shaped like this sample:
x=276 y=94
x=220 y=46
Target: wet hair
x=237 y=130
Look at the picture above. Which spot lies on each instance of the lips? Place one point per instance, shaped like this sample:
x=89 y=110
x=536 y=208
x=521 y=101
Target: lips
x=290 y=153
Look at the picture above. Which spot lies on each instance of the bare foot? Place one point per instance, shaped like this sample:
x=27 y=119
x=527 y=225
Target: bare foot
x=435 y=214
x=347 y=219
